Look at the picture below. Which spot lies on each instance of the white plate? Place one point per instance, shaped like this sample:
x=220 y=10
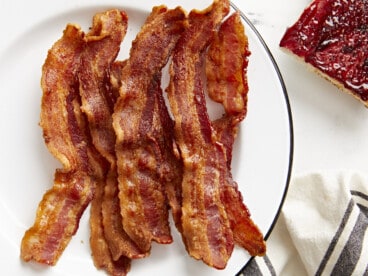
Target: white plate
x=262 y=154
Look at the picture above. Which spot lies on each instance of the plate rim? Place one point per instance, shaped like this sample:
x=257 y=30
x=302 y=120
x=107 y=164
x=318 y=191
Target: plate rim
x=290 y=124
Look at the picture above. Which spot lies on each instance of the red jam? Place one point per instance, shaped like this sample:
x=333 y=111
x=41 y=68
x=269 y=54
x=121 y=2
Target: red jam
x=332 y=35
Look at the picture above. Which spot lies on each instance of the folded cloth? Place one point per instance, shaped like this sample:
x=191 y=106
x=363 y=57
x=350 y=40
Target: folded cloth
x=322 y=228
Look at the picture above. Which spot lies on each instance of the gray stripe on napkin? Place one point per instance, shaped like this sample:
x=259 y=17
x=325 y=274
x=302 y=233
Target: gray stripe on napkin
x=350 y=255
x=363 y=209
x=360 y=194
x=251 y=269
x=269 y=265
x=335 y=238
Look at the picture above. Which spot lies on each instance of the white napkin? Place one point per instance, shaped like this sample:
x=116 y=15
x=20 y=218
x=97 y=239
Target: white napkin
x=322 y=229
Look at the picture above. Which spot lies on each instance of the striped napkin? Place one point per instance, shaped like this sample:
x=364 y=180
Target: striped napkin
x=322 y=229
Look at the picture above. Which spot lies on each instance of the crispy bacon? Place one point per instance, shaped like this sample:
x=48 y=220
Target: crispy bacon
x=171 y=168
x=102 y=46
x=141 y=191
x=205 y=227
x=226 y=65
x=115 y=79
x=102 y=257
x=120 y=149
x=226 y=62
x=61 y=207
x=98 y=98
x=143 y=207
x=119 y=243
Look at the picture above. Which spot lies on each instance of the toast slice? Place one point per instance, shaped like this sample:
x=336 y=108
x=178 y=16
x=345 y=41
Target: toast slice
x=331 y=36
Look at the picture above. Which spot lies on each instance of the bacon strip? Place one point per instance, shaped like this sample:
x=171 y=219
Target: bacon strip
x=98 y=98
x=171 y=168
x=119 y=243
x=142 y=196
x=102 y=46
x=115 y=79
x=226 y=65
x=205 y=227
x=101 y=254
x=61 y=207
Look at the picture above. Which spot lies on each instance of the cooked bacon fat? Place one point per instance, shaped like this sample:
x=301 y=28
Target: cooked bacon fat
x=98 y=98
x=226 y=62
x=205 y=226
x=119 y=243
x=226 y=65
x=59 y=211
x=101 y=251
x=102 y=45
x=136 y=121
x=123 y=151
x=63 y=85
